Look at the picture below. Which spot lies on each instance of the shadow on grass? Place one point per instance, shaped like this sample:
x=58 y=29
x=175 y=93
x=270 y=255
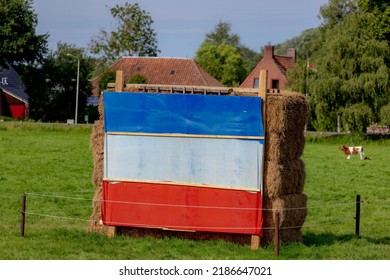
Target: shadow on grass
x=325 y=239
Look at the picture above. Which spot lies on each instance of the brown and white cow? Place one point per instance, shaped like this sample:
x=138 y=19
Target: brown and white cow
x=348 y=151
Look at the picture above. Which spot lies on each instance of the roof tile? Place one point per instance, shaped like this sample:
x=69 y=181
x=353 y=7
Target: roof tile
x=165 y=71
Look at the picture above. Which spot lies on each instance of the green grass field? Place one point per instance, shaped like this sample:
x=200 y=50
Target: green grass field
x=52 y=164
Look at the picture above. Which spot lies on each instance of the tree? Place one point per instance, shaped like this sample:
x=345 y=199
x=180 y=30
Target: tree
x=302 y=43
x=18 y=41
x=224 y=57
x=138 y=79
x=352 y=63
x=51 y=84
x=381 y=20
x=223 y=62
x=336 y=10
x=357 y=117
x=133 y=36
x=385 y=114
x=222 y=35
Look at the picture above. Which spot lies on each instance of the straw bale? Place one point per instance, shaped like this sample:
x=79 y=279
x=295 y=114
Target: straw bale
x=287 y=111
x=97 y=146
x=284 y=179
x=284 y=146
x=95 y=224
x=292 y=210
x=289 y=235
x=101 y=108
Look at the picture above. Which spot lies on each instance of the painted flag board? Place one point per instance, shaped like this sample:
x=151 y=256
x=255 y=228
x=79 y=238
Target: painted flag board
x=183 y=162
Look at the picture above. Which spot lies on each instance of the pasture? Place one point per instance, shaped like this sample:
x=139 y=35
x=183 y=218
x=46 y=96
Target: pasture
x=52 y=164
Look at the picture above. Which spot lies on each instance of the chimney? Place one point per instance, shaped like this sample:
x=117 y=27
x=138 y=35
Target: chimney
x=292 y=53
x=268 y=51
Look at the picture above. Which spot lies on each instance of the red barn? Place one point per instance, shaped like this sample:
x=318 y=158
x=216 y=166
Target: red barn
x=13 y=98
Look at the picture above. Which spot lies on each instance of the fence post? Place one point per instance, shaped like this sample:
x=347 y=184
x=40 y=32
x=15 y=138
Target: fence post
x=357 y=218
x=23 y=215
x=276 y=234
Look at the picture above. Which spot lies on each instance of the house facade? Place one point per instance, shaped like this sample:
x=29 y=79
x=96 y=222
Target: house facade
x=13 y=98
x=277 y=67
x=161 y=71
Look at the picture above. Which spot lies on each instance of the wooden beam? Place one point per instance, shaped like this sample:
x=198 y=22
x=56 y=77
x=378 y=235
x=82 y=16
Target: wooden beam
x=255 y=242
x=263 y=77
x=118 y=180
x=119 y=83
x=263 y=92
x=111 y=231
x=179 y=135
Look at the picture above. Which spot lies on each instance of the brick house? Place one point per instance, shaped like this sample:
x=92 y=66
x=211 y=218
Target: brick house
x=13 y=98
x=161 y=71
x=277 y=66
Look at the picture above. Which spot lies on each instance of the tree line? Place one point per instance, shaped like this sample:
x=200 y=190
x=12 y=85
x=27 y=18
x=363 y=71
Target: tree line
x=342 y=66
x=351 y=54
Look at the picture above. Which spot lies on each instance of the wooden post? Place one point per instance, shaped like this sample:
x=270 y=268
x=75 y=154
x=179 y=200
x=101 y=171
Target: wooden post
x=23 y=215
x=255 y=242
x=263 y=77
x=357 y=218
x=276 y=234
x=111 y=231
x=119 y=81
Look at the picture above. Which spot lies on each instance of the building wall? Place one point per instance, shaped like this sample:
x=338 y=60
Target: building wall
x=276 y=74
x=12 y=107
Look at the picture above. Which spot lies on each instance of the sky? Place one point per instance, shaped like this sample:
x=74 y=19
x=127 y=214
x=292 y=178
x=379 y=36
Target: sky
x=181 y=25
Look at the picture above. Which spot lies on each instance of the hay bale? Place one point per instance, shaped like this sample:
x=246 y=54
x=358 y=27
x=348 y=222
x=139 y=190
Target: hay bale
x=292 y=211
x=286 y=235
x=97 y=147
x=95 y=224
x=101 y=108
x=283 y=179
x=292 y=214
x=281 y=147
x=287 y=112
x=287 y=116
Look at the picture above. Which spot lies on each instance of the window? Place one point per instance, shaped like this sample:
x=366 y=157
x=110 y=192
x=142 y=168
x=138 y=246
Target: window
x=275 y=84
x=256 y=83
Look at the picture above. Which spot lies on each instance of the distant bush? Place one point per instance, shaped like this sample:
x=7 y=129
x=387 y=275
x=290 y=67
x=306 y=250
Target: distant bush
x=108 y=77
x=138 y=79
x=385 y=114
x=357 y=117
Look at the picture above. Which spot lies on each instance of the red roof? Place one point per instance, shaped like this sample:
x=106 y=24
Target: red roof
x=164 y=71
x=285 y=62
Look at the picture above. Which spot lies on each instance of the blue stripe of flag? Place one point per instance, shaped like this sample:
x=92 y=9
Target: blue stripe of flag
x=182 y=114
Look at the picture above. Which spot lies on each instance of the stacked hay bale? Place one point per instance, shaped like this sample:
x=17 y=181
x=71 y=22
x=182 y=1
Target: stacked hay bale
x=284 y=171
x=284 y=174
x=97 y=147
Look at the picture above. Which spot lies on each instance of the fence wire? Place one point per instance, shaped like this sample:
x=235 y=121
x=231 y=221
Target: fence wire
x=319 y=223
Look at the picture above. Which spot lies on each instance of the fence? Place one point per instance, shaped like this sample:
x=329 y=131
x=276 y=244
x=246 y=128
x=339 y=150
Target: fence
x=50 y=213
